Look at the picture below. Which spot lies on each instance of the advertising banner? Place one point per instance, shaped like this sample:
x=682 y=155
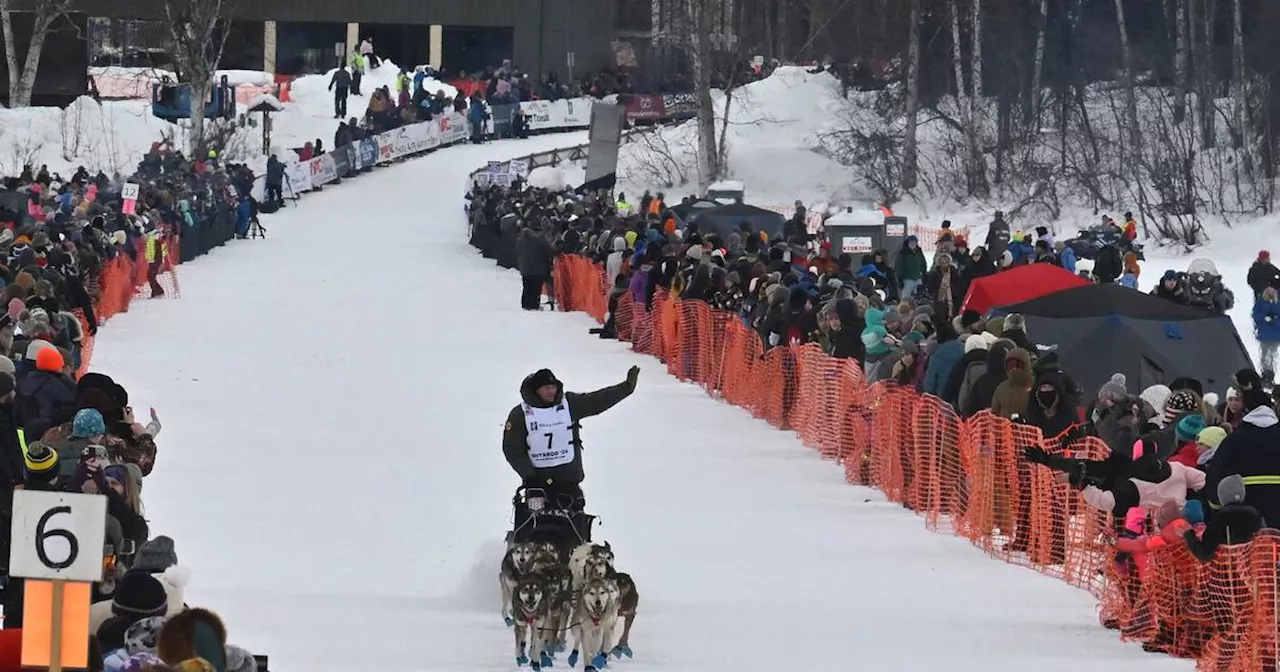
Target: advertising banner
x=644 y=107
x=502 y=118
x=538 y=114
x=323 y=170
x=577 y=113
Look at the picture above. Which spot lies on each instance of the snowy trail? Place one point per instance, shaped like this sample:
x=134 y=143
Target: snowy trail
x=331 y=472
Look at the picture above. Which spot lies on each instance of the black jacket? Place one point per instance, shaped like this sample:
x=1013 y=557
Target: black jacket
x=1232 y=524
x=997 y=238
x=1251 y=451
x=581 y=405
x=341 y=82
x=11 y=458
x=534 y=254
x=847 y=342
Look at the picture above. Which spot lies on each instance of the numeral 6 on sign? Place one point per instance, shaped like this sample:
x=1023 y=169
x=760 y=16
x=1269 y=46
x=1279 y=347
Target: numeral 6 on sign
x=57 y=536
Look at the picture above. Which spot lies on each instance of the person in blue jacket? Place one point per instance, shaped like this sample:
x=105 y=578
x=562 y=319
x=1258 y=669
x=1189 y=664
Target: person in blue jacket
x=1066 y=256
x=244 y=215
x=476 y=115
x=948 y=353
x=1266 y=326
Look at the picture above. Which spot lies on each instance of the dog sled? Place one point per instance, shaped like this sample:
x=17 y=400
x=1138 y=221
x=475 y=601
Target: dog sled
x=557 y=518
x=557 y=583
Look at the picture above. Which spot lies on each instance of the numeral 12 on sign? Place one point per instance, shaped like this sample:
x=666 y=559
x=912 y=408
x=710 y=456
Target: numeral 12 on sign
x=57 y=536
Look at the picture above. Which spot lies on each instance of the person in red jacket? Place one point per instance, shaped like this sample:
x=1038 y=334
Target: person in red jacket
x=1186 y=432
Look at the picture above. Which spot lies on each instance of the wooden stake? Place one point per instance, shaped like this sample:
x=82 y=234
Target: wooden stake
x=55 y=634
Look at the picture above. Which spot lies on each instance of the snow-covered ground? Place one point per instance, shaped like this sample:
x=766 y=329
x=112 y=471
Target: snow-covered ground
x=113 y=136
x=331 y=470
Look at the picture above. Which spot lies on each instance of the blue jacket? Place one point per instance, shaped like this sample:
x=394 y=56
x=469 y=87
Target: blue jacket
x=940 y=364
x=1266 y=321
x=476 y=113
x=1021 y=251
x=1068 y=258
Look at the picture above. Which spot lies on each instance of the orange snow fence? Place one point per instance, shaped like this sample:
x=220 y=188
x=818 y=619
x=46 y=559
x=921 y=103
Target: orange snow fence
x=120 y=282
x=965 y=477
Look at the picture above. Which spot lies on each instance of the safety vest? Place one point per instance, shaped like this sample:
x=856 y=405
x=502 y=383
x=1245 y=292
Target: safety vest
x=154 y=242
x=22 y=441
x=549 y=435
x=622 y=207
x=655 y=207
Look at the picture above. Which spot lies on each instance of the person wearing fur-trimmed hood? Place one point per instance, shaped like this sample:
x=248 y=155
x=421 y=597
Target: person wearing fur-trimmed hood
x=200 y=634
x=541 y=440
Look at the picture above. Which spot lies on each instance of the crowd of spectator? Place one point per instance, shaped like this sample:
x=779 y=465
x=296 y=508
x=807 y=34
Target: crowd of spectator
x=1187 y=465
x=64 y=242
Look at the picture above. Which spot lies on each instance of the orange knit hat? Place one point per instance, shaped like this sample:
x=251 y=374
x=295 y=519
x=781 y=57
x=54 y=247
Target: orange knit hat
x=49 y=359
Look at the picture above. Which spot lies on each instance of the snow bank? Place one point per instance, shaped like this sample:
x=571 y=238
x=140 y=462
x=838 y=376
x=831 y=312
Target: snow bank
x=234 y=77
x=247 y=77
x=267 y=100
x=774 y=140
x=113 y=136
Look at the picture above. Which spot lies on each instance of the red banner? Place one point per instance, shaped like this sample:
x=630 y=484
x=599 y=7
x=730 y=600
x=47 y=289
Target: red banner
x=644 y=107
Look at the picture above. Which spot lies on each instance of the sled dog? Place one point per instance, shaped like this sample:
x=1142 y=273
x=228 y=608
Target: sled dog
x=628 y=600
x=529 y=606
x=597 y=615
x=558 y=591
x=515 y=565
x=593 y=556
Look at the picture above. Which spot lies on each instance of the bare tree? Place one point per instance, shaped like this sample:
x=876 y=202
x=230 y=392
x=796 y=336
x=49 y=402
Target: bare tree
x=975 y=166
x=976 y=36
x=1240 y=86
x=22 y=81
x=196 y=48
x=1181 y=73
x=910 y=159
x=1037 y=71
x=1131 y=98
x=1204 y=34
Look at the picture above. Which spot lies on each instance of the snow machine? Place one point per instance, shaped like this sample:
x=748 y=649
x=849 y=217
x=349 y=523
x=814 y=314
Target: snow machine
x=1090 y=241
x=1205 y=289
x=559 y=519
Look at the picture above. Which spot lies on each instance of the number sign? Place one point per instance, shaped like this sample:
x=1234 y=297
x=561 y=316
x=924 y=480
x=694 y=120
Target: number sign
x=57 y=536
x=129 y=192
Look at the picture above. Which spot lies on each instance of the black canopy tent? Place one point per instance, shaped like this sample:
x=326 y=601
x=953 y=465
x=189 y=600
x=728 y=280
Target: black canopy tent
x=1100 y=330
x=687 y=212
x=725 y=219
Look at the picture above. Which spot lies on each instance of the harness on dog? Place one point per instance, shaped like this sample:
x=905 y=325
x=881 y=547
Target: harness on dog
x=549 y=435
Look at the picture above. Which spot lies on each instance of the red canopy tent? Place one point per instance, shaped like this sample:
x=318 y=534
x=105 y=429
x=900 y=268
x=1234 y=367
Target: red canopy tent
x=1017 y=285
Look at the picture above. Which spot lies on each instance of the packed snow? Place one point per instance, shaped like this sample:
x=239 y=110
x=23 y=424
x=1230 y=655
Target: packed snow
x=371 y=499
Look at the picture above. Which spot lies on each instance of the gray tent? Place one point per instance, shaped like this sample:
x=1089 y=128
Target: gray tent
x=1100 y=330
x=687 y=212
